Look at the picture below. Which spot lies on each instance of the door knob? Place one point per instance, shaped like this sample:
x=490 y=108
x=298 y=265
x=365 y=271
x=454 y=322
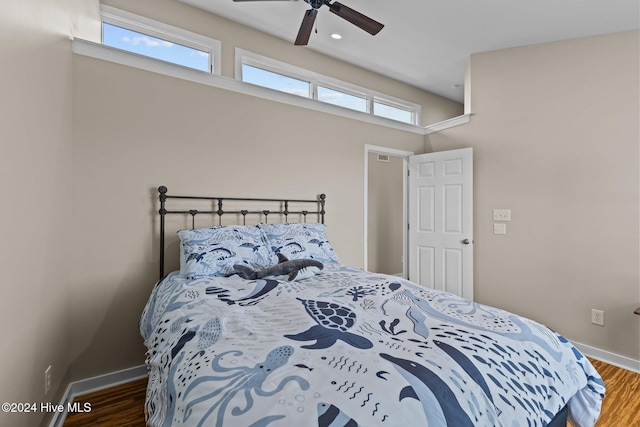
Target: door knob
x=466 y=241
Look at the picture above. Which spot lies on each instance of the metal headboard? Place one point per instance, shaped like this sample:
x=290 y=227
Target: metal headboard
x=318 y=204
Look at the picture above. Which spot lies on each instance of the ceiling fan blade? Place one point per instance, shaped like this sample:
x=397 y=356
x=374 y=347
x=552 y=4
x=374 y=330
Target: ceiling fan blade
x=305 y=29
x=356 y=18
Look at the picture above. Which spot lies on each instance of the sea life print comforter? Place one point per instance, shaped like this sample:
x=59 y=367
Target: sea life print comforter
x=352 y=348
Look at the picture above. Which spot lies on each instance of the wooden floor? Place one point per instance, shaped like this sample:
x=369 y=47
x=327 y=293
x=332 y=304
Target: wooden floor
x=621 y=406
x=123 y=405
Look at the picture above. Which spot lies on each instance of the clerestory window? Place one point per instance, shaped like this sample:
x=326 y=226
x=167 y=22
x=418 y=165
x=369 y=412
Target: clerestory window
x=143 y=36
x=276 y=75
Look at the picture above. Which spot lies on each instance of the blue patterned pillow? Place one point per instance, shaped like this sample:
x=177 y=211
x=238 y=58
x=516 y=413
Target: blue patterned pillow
x=214 y=251
x=299 y=241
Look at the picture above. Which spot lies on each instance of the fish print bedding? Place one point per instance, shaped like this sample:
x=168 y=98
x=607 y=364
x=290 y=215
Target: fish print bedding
x=352 y=348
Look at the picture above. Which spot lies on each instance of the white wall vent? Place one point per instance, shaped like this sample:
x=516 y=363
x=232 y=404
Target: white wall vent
x=383 y=158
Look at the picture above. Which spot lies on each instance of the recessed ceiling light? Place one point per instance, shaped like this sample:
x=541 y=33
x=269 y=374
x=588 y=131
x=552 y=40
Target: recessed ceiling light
x=336 y=36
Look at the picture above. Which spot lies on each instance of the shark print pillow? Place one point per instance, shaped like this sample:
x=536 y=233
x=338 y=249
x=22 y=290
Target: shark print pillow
x=300 y=241
x=214 y=251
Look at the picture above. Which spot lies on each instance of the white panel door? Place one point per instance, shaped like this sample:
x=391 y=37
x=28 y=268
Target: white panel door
x=441 y=221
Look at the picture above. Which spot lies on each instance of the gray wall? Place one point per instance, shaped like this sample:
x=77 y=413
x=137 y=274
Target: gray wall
x=385 y=222
x=555 y=135
x=36 y=121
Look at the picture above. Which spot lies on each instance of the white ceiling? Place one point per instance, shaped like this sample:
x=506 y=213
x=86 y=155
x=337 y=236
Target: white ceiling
x=426 y=43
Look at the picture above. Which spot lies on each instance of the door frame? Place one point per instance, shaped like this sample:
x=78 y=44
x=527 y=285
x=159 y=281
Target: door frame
x=405 y=214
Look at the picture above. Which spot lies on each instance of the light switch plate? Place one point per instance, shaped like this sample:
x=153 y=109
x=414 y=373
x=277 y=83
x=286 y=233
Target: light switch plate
x=502 y=214
x=499 y=228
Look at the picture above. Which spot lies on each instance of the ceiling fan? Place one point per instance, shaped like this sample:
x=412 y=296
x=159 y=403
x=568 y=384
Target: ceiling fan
x=356 y=18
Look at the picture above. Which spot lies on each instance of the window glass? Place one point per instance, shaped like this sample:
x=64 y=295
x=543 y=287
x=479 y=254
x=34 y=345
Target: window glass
x=267 y=72
x=394 y=113
x=342 y=99
x=146 y=45
x=282 y=83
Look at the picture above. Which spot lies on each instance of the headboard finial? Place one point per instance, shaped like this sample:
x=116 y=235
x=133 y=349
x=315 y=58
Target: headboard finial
x=322 y=211
x=162 y=196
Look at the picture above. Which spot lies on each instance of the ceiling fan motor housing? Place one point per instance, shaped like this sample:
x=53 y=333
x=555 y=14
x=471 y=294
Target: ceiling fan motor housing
x=316 y=3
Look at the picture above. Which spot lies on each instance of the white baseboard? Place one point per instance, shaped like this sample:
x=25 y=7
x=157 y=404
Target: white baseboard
x=608 y=357
x=90 y=385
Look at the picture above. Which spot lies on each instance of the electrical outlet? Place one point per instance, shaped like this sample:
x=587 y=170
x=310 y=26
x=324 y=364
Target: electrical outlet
x=597 y=317
x=47 y=380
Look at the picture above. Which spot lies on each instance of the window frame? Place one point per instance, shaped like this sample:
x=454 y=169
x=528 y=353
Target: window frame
x=393 y=104
x=160 y=30
x=244 y=57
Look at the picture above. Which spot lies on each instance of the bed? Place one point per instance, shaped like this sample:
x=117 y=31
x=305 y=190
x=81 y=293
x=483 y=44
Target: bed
x=338 y=346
